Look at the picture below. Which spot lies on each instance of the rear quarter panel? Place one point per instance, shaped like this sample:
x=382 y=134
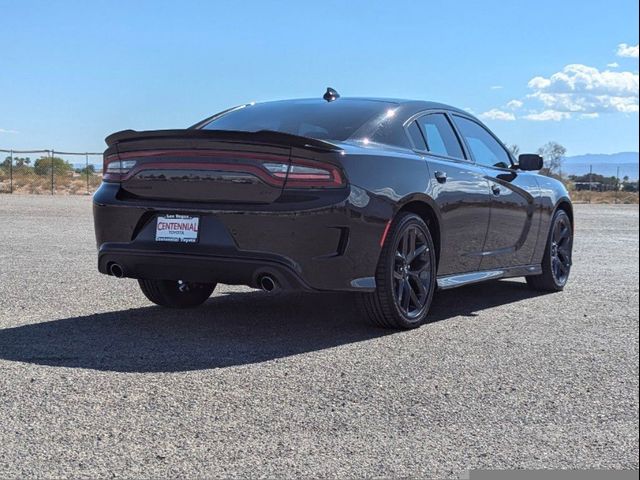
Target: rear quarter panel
x=380 y=183
x=392 y=177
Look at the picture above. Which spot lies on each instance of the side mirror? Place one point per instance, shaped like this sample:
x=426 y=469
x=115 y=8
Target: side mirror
x=530 y=161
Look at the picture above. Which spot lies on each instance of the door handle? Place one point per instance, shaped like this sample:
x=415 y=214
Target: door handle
x=441 y=177
x=495 y=189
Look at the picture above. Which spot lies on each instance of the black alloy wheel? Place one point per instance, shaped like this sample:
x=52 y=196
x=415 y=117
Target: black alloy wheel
x=556 y=262
x=405 y=277
x=561 y=250
x=412 y=272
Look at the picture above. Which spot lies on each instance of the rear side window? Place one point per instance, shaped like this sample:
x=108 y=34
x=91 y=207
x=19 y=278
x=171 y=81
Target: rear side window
x=486 y=150
x=416 y=136
x=439 y=135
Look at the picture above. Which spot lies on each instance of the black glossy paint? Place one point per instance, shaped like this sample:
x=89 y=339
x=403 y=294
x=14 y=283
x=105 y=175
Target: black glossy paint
x=490 y=220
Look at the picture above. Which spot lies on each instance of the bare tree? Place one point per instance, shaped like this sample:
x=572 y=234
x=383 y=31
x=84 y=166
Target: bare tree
x=514 y=149
x=553 y=153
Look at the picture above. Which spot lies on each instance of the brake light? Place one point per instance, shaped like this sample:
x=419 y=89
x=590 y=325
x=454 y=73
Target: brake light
x=114 y=169
x=276 y=170
x=306 y=174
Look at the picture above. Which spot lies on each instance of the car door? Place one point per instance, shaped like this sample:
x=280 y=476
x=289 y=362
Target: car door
x=514 y=223
x=459 y=189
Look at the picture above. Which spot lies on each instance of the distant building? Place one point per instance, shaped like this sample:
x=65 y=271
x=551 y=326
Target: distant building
x=593 y=186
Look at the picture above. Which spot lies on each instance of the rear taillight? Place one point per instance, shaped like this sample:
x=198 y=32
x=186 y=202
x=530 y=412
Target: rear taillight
x=114 y=169
x=306 y=174
x=276 y=170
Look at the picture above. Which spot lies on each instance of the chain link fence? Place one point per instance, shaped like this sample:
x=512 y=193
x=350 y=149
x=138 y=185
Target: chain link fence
x=49 y=172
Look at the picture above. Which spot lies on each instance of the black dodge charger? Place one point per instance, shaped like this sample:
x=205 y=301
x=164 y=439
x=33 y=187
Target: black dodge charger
x=387 y=198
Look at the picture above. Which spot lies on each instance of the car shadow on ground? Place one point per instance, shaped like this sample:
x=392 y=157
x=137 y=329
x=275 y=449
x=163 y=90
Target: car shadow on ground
x=231 y=329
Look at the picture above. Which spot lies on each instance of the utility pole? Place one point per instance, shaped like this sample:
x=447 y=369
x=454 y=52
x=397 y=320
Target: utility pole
x=86 y=169
x=590 y=181
x=51 y=152
x=11 y=171
x=617 y=182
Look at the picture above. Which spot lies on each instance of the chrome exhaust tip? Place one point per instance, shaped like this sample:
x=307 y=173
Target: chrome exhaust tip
x=116 y=270
x=267 y=283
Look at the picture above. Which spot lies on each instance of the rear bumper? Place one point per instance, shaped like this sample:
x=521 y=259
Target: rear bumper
x=331 y=247
x=194 y=267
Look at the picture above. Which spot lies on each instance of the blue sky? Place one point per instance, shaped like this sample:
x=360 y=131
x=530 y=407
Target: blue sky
x=73 y=72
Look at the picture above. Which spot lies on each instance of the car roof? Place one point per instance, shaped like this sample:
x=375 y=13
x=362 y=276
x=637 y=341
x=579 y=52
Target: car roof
x=408 y=105
x=392 y=135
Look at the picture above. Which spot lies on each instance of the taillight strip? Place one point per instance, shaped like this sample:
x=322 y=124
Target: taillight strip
x=288 y=178
x=221 y=167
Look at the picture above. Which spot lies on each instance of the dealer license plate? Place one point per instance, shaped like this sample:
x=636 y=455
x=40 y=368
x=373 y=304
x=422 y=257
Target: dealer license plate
x=177 y=228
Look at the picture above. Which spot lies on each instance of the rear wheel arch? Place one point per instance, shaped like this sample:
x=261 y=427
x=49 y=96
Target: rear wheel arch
x=405 y=275
x=428 y=212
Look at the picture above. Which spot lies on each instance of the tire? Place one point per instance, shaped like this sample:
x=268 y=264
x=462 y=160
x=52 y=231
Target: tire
x=556 y=261
x=405 y=276
x=176 y=294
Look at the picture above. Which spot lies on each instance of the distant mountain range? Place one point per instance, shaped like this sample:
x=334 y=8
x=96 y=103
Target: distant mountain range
x=603 y=164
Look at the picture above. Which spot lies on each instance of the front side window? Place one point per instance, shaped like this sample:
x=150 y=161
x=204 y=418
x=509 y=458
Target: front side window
x=485 y=149
x=439 y=135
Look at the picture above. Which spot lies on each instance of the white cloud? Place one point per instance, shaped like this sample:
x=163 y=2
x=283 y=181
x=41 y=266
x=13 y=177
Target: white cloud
x=514 y=104
x=578 y=91
x=4 y=130
x=583 y=89
x=496 y=87
x=547 y=115
x=497 y=114
x=629 y=51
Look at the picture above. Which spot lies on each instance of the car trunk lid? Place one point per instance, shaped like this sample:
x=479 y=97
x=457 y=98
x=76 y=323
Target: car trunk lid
x=204 y=165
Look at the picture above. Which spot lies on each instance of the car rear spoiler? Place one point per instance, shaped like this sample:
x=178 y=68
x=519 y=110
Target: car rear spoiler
x=262 y=137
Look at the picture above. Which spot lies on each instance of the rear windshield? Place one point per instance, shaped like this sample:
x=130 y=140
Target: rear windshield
x=337 y=120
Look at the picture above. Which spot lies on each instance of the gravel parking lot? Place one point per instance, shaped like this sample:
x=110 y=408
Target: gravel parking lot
x=95 y=382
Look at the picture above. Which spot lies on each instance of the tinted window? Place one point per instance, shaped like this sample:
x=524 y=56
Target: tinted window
x=336 y=120
x=439 y=135
x=485 y=149
x=416 y=136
